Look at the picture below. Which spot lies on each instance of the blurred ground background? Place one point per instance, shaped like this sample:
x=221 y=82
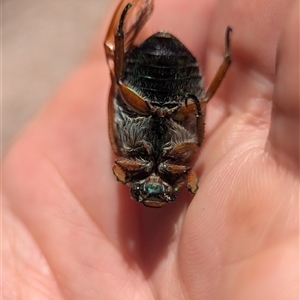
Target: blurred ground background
x=42 y=41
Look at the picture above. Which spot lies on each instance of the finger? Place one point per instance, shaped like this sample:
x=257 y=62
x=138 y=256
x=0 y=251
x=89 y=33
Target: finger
x=245 y=95
x=256 y=27
x=284 y=131
x=188 y=20
x=69 y=136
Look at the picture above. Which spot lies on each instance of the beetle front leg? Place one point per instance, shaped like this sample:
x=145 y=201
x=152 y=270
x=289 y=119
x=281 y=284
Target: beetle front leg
x=222 y=69
x=192 y=182
x=125 y=168
x=173 y=170
x=182 y=153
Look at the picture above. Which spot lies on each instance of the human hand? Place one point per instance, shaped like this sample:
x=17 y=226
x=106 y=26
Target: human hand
x=70 y=231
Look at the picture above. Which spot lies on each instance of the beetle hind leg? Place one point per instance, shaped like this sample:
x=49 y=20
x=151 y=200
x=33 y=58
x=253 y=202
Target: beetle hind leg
x=127 y=21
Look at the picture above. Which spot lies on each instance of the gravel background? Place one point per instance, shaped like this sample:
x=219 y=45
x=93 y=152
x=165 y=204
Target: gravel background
x=42 y=41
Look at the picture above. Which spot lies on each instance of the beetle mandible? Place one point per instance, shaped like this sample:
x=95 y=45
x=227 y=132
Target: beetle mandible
x=156 y=106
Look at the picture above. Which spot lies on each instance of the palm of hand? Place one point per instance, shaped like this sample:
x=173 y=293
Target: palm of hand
x=72 y=229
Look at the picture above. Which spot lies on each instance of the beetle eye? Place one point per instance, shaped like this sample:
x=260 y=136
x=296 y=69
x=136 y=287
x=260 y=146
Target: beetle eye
x=153 y=188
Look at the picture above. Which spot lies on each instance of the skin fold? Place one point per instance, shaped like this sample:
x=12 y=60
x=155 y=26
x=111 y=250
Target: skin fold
x=71 y=231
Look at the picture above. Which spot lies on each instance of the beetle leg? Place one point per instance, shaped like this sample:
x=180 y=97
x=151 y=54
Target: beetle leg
x=121 y=32
x=197 y=106
x=173 y=173
x=192 y=179
x=119 y=44
x=214 y=85
x=125 y=168
x=109 y=41
x=132 y=165
x=167 y=167
x=116 y=43
x=119 y=173
x=192 y=182
x=200 y=129
x=133 y=100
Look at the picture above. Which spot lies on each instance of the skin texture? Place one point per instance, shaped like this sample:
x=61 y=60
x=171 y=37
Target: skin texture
x=70 y=231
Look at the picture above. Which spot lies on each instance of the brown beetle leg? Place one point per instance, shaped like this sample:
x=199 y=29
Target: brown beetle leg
x=192 y=179
x=167 y=167
x=119 y=173
x=131 y=165
x=115 y=46
x=192 y=182
x=118 y=39
x=197 y=106
x=109 y=42
x=119 y=44
x=200 y=129
x=124 y=168
x=133 y=100
x=222 y=69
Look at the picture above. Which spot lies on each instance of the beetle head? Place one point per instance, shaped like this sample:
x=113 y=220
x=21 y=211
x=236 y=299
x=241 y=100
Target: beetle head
x=153 y=191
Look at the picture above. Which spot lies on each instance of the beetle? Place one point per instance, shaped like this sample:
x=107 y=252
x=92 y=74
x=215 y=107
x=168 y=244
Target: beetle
x=156 y=106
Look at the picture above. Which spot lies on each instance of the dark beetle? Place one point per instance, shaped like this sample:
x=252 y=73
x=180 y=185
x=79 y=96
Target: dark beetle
x=156 y=106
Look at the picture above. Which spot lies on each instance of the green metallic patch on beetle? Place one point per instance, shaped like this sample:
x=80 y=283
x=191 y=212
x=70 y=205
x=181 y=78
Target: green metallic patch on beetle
x=153 y=188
